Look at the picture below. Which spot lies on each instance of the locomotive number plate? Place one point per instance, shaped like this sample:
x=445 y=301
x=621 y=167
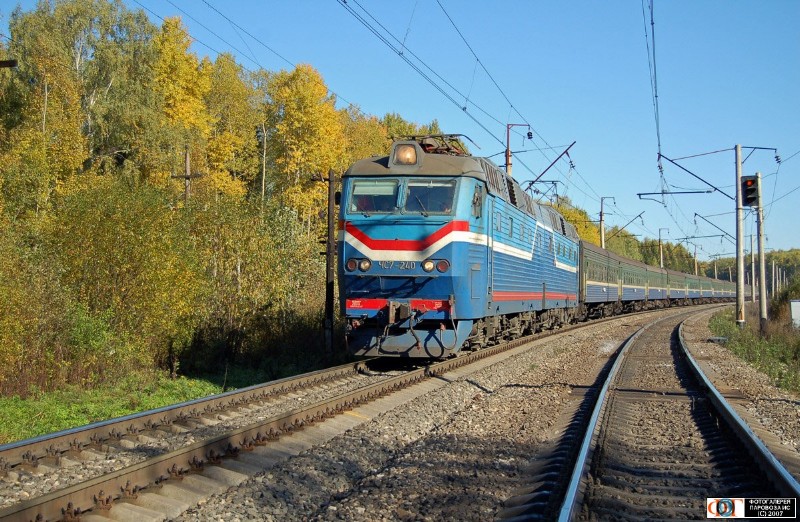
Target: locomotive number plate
x=400 y=265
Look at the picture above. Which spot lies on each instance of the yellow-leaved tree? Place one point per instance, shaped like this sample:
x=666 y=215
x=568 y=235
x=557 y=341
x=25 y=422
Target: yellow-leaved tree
x=586 y=228
x=233 y=152
x=305 y=137
x=45 y=145
x=364 y=135
x=183 y=81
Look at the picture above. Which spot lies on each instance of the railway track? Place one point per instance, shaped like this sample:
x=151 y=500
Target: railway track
x=223 y=440
x=99 y=450
x=652 y=439
x=213 y=456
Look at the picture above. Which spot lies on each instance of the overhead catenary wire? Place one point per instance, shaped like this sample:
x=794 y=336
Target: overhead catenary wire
x=454 y=89
x=479 y=62
x=198 y=22
x=402 y=55
x=274 y=52
x=651 y=62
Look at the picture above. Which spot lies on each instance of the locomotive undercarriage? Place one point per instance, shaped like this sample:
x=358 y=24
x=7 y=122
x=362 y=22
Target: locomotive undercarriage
x=444 y=338
x=598 y=310
x=494 y=330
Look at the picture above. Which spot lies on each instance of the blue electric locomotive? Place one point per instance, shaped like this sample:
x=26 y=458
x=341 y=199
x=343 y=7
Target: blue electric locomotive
x=440 y=250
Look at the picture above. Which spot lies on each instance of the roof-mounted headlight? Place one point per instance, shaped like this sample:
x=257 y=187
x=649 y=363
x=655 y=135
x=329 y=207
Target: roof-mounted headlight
x=405 y=154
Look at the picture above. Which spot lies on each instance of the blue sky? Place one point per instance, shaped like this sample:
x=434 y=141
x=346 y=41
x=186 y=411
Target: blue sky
x=728 y=72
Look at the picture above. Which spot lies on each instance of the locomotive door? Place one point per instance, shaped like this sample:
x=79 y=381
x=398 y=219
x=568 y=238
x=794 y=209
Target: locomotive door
x=491 y=218
x=480 y=215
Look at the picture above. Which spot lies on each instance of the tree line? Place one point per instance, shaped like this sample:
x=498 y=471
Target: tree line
x=107 y=264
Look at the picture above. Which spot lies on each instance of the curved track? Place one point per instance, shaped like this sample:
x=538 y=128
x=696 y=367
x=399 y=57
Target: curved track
x=657 y=443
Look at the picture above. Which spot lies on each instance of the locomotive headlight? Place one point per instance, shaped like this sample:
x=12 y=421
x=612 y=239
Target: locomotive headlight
x=364 y=265
x=351 y=265
x=428 y=265
x=405 y=154
x=442 y=265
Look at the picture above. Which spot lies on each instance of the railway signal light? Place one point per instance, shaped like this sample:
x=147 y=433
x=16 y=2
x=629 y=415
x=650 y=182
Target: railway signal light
x=750 y=191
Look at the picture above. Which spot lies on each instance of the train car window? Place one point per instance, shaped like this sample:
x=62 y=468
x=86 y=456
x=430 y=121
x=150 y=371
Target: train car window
x=374 y=196
x=430 y=196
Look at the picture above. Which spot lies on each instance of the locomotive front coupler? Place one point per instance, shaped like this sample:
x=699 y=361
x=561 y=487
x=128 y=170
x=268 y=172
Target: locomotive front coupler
x=398 y=312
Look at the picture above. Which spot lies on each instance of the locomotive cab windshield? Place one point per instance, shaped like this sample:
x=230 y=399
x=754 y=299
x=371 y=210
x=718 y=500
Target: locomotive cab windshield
x=430 y=196
x=374 y=196
x=423 y=196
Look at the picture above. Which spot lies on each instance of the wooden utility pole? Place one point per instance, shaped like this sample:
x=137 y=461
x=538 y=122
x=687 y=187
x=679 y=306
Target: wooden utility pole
x=330 y=257
x=187 y=177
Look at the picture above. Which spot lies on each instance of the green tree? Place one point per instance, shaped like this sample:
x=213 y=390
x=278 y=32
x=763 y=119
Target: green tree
x=44 y=145
x=623 y=243
x=263 y=270
x=126 y=255
x=33 y=322
x=123 y=110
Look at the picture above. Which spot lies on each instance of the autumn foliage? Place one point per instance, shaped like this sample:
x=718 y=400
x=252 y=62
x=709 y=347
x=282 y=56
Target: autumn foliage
x=107 y=264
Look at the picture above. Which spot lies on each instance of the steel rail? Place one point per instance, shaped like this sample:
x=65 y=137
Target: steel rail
x=771 y=466
x=16 y=453
x=784 y=482
x=83 y=497
x=572 y=494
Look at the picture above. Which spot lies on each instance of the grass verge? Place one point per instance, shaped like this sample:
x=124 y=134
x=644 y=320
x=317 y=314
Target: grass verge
x=777 y=354
x=51 y=412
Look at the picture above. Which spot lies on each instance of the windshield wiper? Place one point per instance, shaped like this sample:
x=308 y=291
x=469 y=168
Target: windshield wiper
x=423 y=212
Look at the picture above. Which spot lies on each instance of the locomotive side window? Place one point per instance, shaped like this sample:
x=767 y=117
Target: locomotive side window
x=430 y=197
x=477 y=200
x=378 y=196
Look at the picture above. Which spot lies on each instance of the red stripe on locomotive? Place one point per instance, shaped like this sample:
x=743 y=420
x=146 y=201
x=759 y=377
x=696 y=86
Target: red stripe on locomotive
x=416 y=245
